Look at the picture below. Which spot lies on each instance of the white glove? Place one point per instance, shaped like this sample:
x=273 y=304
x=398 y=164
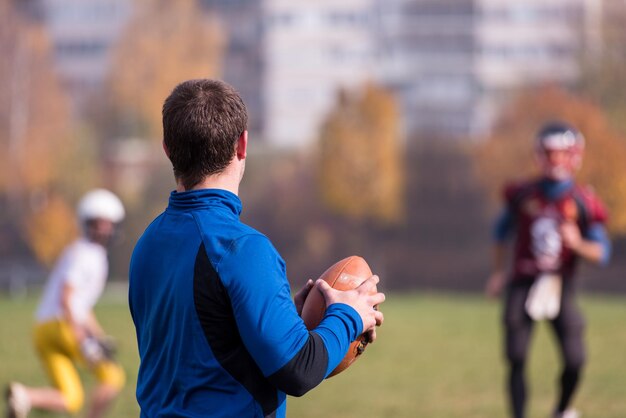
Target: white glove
x=92 y=350
x=95 y=350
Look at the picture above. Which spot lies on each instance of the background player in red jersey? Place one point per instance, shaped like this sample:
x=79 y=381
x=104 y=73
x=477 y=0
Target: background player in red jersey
x=553 y=222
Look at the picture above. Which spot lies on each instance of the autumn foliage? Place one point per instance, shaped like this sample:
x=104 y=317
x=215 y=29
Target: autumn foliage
x=508 y=153
x=39 y=149
x=603 y=77
x=361 y=173
x=165 y=43
x=50 y=228
x=33 y=110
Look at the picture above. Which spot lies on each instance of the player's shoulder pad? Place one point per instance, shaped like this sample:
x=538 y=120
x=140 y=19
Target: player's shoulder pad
x=594 y=207
x=514 y=191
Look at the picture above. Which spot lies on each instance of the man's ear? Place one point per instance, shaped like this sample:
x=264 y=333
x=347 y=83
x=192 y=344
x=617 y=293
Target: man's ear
x=241 y=147
x=167 y=152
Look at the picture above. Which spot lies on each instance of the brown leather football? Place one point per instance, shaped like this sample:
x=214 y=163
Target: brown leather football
x=346 y=274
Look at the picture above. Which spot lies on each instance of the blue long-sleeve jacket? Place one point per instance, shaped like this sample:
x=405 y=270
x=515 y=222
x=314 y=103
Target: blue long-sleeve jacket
x=217 y=330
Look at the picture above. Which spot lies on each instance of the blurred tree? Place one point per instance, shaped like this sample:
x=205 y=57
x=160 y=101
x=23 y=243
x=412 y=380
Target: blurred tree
x=604 y=63
x=40 y=151
x=165 y=43
x=508 y=153
x=360 y=165
x=49 y=227
x=33 y=109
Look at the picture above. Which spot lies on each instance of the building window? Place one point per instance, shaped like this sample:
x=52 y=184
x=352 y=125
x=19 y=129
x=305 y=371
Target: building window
x=80 y=48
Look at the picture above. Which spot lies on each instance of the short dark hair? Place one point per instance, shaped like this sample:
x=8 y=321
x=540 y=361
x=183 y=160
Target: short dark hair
x=202 y=120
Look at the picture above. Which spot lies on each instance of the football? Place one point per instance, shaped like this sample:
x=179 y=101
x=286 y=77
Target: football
x=346 y=274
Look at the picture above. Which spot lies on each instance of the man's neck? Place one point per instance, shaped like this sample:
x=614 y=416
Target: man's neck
x=223 y=181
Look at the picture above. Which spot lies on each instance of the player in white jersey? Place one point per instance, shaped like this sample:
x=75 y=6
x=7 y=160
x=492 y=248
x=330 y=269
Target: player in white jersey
x=67 y=332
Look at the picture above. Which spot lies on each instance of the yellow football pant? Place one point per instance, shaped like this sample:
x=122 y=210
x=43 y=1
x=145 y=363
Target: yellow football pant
x=59 y=351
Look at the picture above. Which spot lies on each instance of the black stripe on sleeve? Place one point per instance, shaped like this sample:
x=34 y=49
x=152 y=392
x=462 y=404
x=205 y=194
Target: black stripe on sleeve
x=305 y=370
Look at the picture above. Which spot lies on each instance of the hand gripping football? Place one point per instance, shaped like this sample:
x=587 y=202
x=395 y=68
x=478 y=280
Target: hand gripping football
x=346 y=274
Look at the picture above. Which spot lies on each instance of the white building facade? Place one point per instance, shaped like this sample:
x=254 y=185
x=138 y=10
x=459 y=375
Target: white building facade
x=524 y=44
x=452 y=63
x=82 y=33
x=311 y=50
x=455 y=63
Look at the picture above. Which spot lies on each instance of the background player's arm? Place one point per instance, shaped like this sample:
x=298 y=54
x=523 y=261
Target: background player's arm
x=68 y=315
x=594 y=246
x=502 y=230
x=93 y=327
x=496 y=280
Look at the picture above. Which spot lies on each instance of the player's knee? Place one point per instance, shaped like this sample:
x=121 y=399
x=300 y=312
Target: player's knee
x=74 y=400
x=516 y=357
x=111 y=375
x=574 y=353
x=119 y=382
x=516 y=365
x=574 y=361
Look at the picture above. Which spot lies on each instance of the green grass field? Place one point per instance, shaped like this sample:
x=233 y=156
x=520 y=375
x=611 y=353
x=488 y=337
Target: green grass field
x=438 y=356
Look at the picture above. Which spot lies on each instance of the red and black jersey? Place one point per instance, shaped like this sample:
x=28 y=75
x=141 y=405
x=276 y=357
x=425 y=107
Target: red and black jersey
x=538 y=208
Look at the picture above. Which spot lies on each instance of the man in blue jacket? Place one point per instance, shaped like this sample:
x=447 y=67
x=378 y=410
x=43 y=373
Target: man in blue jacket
x=218 y=332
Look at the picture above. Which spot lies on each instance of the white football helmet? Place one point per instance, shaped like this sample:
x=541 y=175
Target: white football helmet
x=563 y=138
x=100 y=204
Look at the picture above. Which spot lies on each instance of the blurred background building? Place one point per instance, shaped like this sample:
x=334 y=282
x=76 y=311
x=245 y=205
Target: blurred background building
x=427 y=54
x=82 y=84
x=452 y=63
x=244 y=65
x=455 y=62
x=82 y=34
x=311 y=49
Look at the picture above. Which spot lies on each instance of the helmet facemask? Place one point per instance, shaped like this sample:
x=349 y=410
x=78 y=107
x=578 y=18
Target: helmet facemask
x=99 y=211
x=559 y=149
x=99 y=230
